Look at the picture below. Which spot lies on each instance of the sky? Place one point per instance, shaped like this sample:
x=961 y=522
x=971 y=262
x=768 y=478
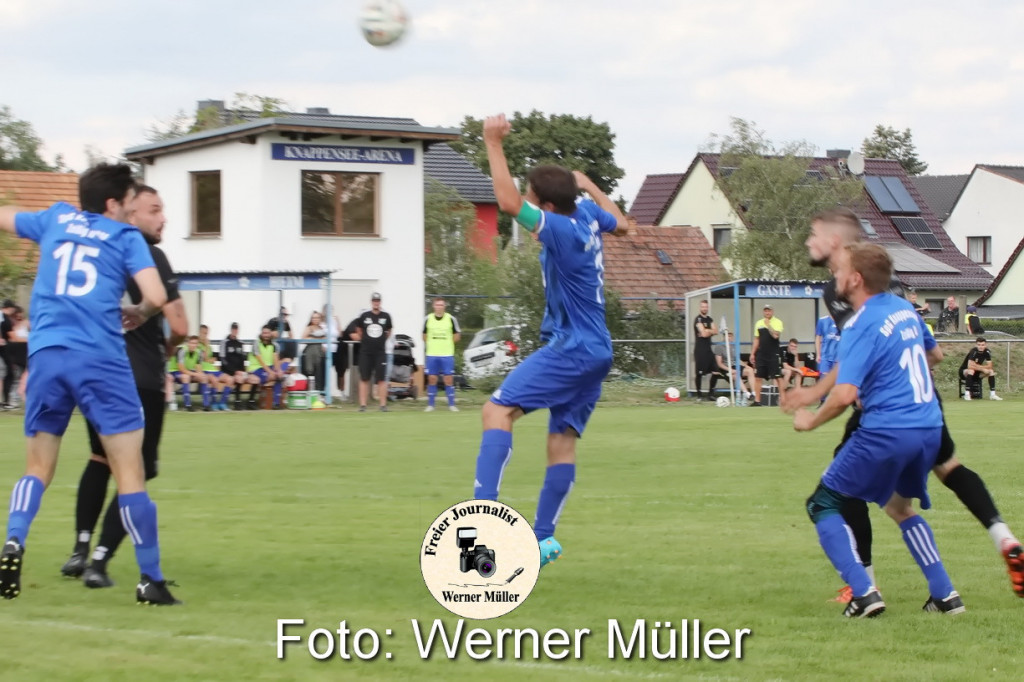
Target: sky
x=664 y=74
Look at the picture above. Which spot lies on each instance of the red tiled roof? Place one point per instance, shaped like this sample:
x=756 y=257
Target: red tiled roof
x=34 y=191
x=633 y=269
x=971 y=276
x=655 y=196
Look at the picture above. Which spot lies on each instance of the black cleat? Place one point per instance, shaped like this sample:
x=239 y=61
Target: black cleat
x=868 y=606
x=190 y=408
x=96 y=577
x=76 y=563
x=951 y=605
x=238 y=406
x=207 y=408
x=10 y=569
x=154 y=592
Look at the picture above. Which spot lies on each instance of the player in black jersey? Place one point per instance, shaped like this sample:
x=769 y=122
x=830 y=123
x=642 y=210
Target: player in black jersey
x=831 y=230
x=148 y=350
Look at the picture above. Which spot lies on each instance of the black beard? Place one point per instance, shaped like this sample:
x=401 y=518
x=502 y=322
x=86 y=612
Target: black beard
x=819 y=262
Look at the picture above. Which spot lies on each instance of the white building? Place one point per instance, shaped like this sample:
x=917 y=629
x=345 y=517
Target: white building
x=310 y=192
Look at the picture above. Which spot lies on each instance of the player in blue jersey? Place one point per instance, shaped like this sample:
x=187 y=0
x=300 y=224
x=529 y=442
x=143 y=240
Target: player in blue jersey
x=565 y=374
x=830 y=231
x=78 y=358
x=826 y=343
x=884 y=363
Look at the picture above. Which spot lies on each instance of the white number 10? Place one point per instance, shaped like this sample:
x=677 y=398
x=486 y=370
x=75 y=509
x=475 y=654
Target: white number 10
x=914 y=361
x=73 y=257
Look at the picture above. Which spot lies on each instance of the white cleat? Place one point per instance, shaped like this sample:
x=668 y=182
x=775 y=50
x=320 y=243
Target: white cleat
x=452 y=408
x=992 y=396
x=429 y=408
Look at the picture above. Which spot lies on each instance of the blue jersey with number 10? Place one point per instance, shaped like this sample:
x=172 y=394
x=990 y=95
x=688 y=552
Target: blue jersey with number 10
x=84 y=262
x=572 y=263
x=882 y=352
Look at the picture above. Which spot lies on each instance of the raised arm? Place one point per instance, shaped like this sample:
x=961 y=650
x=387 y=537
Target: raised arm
x=496 y=129
x=601 y=199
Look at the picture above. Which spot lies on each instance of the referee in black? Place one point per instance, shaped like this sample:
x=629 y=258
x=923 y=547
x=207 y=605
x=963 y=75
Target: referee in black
x=148 y=349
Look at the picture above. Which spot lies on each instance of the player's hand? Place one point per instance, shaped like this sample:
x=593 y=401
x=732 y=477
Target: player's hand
x=132 y=317
x=582 y=181
x=496 y=128
x=803 y=420
x=795 y=398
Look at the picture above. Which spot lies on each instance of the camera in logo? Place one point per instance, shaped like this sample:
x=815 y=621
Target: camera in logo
x=474 y=557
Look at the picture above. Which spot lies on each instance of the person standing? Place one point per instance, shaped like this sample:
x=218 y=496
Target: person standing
x=86 y=258
x=565 y=374
x=765 y=352
x=440 y=333
x=147 y=349
x=949 y=318
x=372 y=334
x=884 y=363
x=704 y=359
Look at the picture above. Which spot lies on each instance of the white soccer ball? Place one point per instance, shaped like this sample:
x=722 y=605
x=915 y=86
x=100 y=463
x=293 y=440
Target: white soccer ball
x=671 y=393
x=722 y=402
x=383 y=22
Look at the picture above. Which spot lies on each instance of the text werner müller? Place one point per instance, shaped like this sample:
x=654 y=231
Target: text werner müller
x=638 y=640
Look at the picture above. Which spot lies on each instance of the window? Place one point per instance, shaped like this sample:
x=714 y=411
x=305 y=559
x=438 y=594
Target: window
x=339 y=204
x=979 y=250
x=868 y=228
x=723 y=237
x=206 y=203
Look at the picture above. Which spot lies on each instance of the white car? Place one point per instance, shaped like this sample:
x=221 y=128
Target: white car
x=492 y=351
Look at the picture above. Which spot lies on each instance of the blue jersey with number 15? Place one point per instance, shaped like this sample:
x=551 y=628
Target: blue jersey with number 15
x=85 y=260
x=882 y=351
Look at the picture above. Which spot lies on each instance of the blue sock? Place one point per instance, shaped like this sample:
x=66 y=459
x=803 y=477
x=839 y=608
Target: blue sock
x=836 y=539
x=25 y=499
x=277 y=391
x=921 y=543
x=431 y=394
x=138 y=515
x=204 y=390
x=495 y=451
x=450 y=392
x=186 y=392
x=557 y=485
x=224 y=395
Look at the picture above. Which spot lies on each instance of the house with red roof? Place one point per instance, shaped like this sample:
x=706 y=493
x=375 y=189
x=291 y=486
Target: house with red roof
x=893 y=213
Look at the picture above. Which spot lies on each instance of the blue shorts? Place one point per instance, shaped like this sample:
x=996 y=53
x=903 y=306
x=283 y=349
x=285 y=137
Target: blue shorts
x=568 y=385
x=824 y=367
x=441 y=365
x=260 y=373
x=102 y=387
x=873 y=464
x=212 y=372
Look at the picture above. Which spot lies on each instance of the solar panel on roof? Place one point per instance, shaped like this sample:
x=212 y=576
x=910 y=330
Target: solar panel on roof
x=916 y=232
x=901 y=195
x=881 y=195
x=663 y=257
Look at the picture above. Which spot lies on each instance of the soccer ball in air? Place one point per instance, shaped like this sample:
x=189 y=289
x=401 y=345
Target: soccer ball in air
x=383 y=22
x=672 y=394
x=722 y=402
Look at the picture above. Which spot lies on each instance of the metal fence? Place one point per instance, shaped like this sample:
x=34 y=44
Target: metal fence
x=665 y=358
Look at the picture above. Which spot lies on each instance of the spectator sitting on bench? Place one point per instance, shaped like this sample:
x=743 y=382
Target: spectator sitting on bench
x=265 y=365
x=190 y=371
x=232 y=364
x=746 y=384
x=977 y=364
x=216 y=379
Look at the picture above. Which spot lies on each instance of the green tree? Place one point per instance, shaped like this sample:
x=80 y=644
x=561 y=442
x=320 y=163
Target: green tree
x=562 y=139
x=15 y=264
x=888 y=143
x=19 y=144
x=773 y=188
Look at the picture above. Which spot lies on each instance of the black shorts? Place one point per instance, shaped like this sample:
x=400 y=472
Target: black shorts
x=153 y=412
x=767 y=368
x=373 y=362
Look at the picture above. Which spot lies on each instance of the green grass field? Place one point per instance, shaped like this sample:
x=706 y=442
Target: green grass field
x=680 y=511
